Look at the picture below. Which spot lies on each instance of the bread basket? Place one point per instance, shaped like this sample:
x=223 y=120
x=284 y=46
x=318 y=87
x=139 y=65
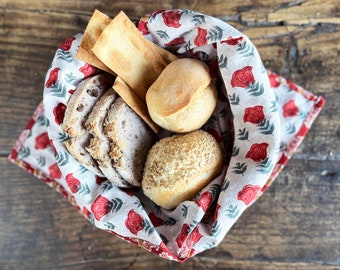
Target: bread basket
x=255 y=108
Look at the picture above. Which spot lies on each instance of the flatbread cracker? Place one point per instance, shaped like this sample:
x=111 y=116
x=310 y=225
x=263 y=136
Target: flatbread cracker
x=98 y=22
x=134 y=102
x=123 y=49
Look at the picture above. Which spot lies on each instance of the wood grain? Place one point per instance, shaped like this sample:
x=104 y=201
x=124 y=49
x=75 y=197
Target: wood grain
x=294 y=225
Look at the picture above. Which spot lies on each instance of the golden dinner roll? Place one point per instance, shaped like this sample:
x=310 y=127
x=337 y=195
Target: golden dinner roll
x=183 y=97
x=178 y=167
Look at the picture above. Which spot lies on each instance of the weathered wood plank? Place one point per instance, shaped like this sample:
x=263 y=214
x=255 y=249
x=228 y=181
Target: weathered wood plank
x=294 y=225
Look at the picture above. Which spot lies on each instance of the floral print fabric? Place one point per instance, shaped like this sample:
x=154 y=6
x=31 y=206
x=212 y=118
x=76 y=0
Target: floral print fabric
x=260 y=120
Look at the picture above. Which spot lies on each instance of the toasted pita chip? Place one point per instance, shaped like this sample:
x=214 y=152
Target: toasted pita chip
x=98 y=22
x=134 y=102
x=123 y=49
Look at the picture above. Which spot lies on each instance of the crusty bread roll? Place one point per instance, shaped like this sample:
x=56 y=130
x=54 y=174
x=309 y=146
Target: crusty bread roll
x=183 y=97
x=178 y=167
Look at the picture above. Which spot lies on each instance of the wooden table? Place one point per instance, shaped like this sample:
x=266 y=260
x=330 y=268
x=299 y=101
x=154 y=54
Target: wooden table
x=294 y=225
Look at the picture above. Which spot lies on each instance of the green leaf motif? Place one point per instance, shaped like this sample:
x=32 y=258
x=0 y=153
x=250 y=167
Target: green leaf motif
x=43 y=120
x=162 y=34
x=62 y=137
x=41 y=161
x=234 y=99
x=232 y=211
x=290 y=128
x=215 y=33
x=70 y=77
x=169 y=222
x=256 y=89
x=187 y=46
x=109 y=225
x=240 y=168
x=265 y=166
x=107 y=186
x=64 y=55
x=243 y=134
x=225 y=185
x=265 y=127
x=236 y=151
x=116 y=204
x=82 y=169
x=198 y=19
x=58 y=90
x=303 y=115
x=148 y=227
x=214 y=190
x=84 y=189
x=184 y=210
x=24 y=152
x=222 y=61
x=273 y=106
x=245 y=49
x=216 y=229
x=62 y=158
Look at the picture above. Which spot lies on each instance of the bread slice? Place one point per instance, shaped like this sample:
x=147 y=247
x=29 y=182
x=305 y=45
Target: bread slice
x=79 y=106
x=82 y=101
x=77 y=148
x=130 y=140
x=99 y=144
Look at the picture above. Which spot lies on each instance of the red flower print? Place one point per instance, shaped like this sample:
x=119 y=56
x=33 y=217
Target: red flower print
x=183 y=235
x=54 y=171
x=201 y=38
x=290 y=109
x=52 y=78
x=176 y=41
x=66 y=45
x=248 y=193
x=100 y=207
x=274 y=80
x=143 y=26
x=134 y=222
x=254 y=114
x=42 y=141
x=72 y=182
x=205 y=200
x=87 y=70
x=156 y=221
x=59 y=112
x=186 y=238
x=242 y=77
x=171 y=18
x=232 y=41
x=258 y=152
